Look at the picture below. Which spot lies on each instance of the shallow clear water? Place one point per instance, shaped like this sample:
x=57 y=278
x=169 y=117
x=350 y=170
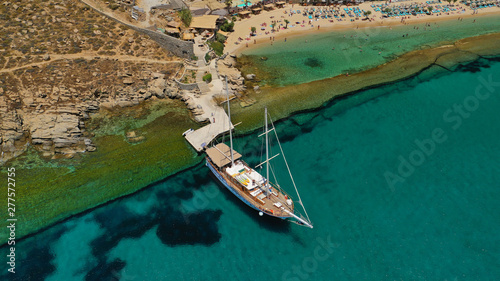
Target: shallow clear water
x=312 y=57
x=439 y=222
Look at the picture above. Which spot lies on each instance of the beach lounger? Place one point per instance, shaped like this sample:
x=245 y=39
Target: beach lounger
x=256 y=192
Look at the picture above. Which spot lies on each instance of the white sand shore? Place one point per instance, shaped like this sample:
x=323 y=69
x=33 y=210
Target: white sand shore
x=242 y=28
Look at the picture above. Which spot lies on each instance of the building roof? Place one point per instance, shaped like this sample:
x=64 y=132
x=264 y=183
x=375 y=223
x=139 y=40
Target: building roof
x=281 y=3
x=172 y=30
x=269 y=5
x=204 y=22
x=171 y=5
x=174 y=24
x=201 y=4
x=215 y=5
x=221 y=155
x=220 y=12
x=244 y=13
x=187 y=36
x=211 y=4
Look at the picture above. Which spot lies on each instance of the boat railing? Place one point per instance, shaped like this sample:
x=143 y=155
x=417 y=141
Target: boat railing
x=238 y=184
x=281 y=190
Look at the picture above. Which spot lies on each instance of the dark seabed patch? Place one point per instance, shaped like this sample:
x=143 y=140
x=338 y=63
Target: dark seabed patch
x=119 y=223
x=34 y=258
x=199 y=228
x=313 y=62
x=106 y=271
x=37 y=265
x=474 y=66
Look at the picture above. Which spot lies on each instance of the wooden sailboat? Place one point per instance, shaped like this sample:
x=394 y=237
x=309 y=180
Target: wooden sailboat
x=250 y=186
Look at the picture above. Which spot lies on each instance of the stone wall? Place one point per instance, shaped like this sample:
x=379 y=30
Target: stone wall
x=178 y=47
x=188 y=87
x=174 y=45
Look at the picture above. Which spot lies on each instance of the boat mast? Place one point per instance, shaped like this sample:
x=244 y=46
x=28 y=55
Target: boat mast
x=267 y=148
x=229 y=118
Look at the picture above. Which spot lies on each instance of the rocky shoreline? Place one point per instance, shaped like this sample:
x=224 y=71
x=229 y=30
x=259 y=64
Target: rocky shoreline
x=52 y=118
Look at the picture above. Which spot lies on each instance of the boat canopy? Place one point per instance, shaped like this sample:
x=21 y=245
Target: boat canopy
x=221 y=154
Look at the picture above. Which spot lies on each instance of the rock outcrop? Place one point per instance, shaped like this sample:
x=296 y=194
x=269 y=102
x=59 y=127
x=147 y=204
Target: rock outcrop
x=236 y=82
x=52 y=119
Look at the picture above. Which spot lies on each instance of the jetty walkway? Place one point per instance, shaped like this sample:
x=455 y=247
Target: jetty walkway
x=218 y=119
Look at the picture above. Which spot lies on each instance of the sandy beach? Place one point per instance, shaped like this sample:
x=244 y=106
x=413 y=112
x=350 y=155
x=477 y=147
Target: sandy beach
x=240 y=39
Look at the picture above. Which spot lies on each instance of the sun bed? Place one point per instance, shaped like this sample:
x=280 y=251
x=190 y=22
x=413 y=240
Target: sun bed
x=256 y=192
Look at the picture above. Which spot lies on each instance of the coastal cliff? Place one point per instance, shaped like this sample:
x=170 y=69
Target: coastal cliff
x=62 y=62
x=52 y=117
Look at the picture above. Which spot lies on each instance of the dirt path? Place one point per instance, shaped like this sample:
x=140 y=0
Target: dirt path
x=89 y=56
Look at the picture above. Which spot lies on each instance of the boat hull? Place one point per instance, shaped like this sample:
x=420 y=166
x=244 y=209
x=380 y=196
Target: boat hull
x=230 y=188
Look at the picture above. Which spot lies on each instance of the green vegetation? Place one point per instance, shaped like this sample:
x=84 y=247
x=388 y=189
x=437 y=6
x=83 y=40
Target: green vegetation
x=286 y=23
x=218 y=47
x=227 y=26
x=207 y=57
x=228 y=4
x=186 y=16
x=207 y=78
x=220 y=38
x=253 y=29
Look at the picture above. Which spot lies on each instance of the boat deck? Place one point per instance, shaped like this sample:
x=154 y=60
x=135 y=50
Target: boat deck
x=250 y=185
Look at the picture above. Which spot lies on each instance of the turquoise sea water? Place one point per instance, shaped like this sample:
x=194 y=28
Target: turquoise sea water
x=438 y=221
x=312 y=57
